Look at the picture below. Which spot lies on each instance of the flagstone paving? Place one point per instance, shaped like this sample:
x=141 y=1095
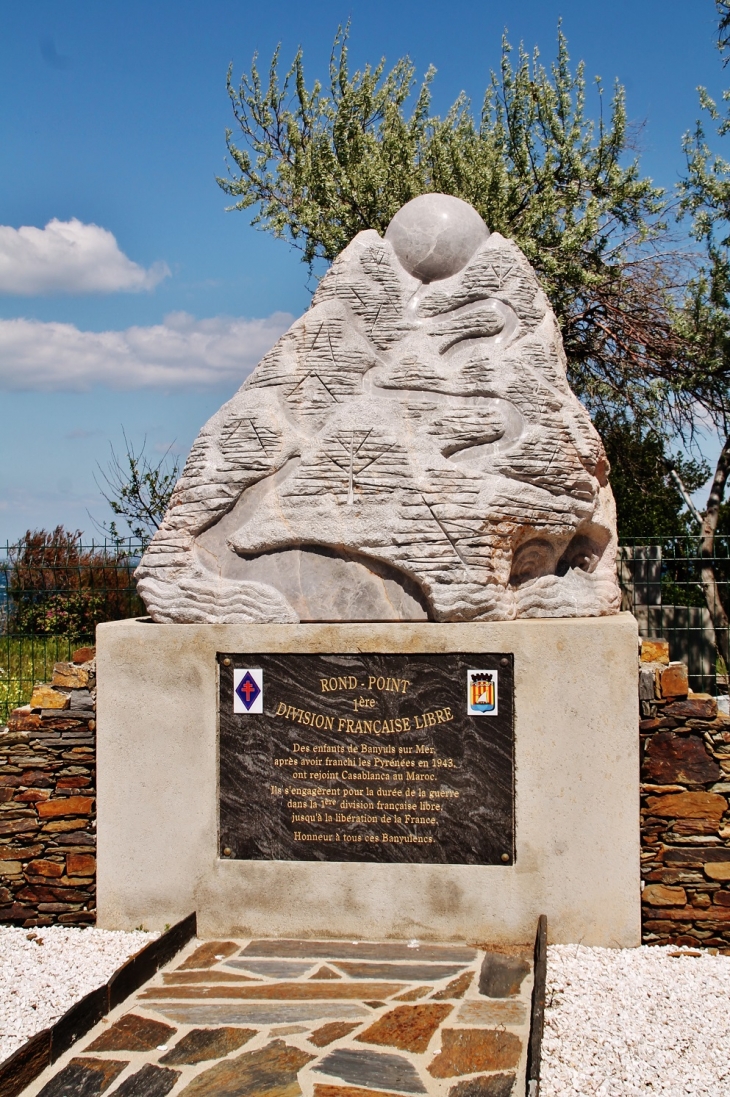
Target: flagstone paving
x=267 y=1018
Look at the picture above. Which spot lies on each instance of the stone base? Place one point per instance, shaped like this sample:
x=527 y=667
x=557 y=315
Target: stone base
x=576 y=800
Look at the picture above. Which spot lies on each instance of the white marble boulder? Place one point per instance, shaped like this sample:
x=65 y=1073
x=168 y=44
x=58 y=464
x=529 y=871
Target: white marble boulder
x=409 y=450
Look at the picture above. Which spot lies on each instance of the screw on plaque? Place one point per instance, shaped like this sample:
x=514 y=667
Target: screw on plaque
x=505 y=857
x=504 y=662
x=226 y=662
x=227 y=851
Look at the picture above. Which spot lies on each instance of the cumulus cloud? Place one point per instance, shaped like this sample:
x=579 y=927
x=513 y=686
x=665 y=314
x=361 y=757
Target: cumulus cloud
x=69 y=257
x=181 y=352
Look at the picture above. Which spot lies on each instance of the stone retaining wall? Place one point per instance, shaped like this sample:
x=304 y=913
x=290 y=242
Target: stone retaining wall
x=47 y=805
x=685 y=822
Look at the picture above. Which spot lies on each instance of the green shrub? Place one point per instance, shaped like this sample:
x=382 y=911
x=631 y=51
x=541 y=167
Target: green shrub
x=56 y=586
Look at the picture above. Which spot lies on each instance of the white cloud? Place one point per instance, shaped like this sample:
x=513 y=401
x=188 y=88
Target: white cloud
x=69 y=257
x=179 y=353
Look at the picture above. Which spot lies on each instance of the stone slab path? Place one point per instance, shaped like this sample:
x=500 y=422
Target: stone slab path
x=274 y=1018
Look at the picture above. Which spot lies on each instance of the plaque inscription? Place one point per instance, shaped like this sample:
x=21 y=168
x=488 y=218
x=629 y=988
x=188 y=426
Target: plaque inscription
x=367 y=757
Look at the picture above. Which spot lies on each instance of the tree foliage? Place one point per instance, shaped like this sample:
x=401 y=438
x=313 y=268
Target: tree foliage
x=705 y=199
x=319 y=165
x=723 y=30
x=705 y=320
x=137 y=490
x=648 y=500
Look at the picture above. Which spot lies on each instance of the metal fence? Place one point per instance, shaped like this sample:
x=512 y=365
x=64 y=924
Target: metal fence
x=661 y=583
x=53 y=593
x=54 y=590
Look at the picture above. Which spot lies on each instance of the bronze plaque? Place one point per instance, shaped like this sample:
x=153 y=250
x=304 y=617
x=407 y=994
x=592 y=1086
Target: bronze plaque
x=367 y=757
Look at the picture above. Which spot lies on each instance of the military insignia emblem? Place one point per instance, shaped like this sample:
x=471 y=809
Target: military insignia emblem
x=248 y=691
x=481 y=692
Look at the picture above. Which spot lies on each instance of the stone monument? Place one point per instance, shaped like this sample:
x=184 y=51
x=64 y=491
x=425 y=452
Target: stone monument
x=384 y=688
x=409 y=450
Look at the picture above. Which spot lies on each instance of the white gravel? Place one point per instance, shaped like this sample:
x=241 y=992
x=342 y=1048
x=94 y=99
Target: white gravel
x=44 y=971
x=618 y=1022
x=636 y=1021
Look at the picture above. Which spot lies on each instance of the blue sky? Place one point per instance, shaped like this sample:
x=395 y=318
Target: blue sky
x=114 y=116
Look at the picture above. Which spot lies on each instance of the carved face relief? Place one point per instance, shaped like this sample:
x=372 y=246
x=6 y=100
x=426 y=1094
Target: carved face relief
x=409 y=450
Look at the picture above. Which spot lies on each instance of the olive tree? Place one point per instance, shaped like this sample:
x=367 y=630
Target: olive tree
x=317 y=164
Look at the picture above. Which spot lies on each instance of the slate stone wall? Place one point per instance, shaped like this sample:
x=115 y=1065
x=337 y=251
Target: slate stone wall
x=685 y=822
x=47 y=801
x=48 y=818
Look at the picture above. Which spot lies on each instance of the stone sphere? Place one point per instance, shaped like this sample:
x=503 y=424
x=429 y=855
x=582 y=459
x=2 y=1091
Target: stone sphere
x=435 y=235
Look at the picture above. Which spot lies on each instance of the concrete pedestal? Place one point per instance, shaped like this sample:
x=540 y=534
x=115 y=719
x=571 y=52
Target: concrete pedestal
x=576 y=805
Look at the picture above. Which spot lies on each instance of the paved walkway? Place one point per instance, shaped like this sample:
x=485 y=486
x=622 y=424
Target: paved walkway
x=272 y=1018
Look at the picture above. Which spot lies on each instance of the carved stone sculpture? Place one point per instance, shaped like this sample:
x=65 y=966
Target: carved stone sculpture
x=410 y=449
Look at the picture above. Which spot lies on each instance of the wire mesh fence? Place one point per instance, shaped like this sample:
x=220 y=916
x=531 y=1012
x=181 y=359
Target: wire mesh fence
x=678 y=595
x=54 y=590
